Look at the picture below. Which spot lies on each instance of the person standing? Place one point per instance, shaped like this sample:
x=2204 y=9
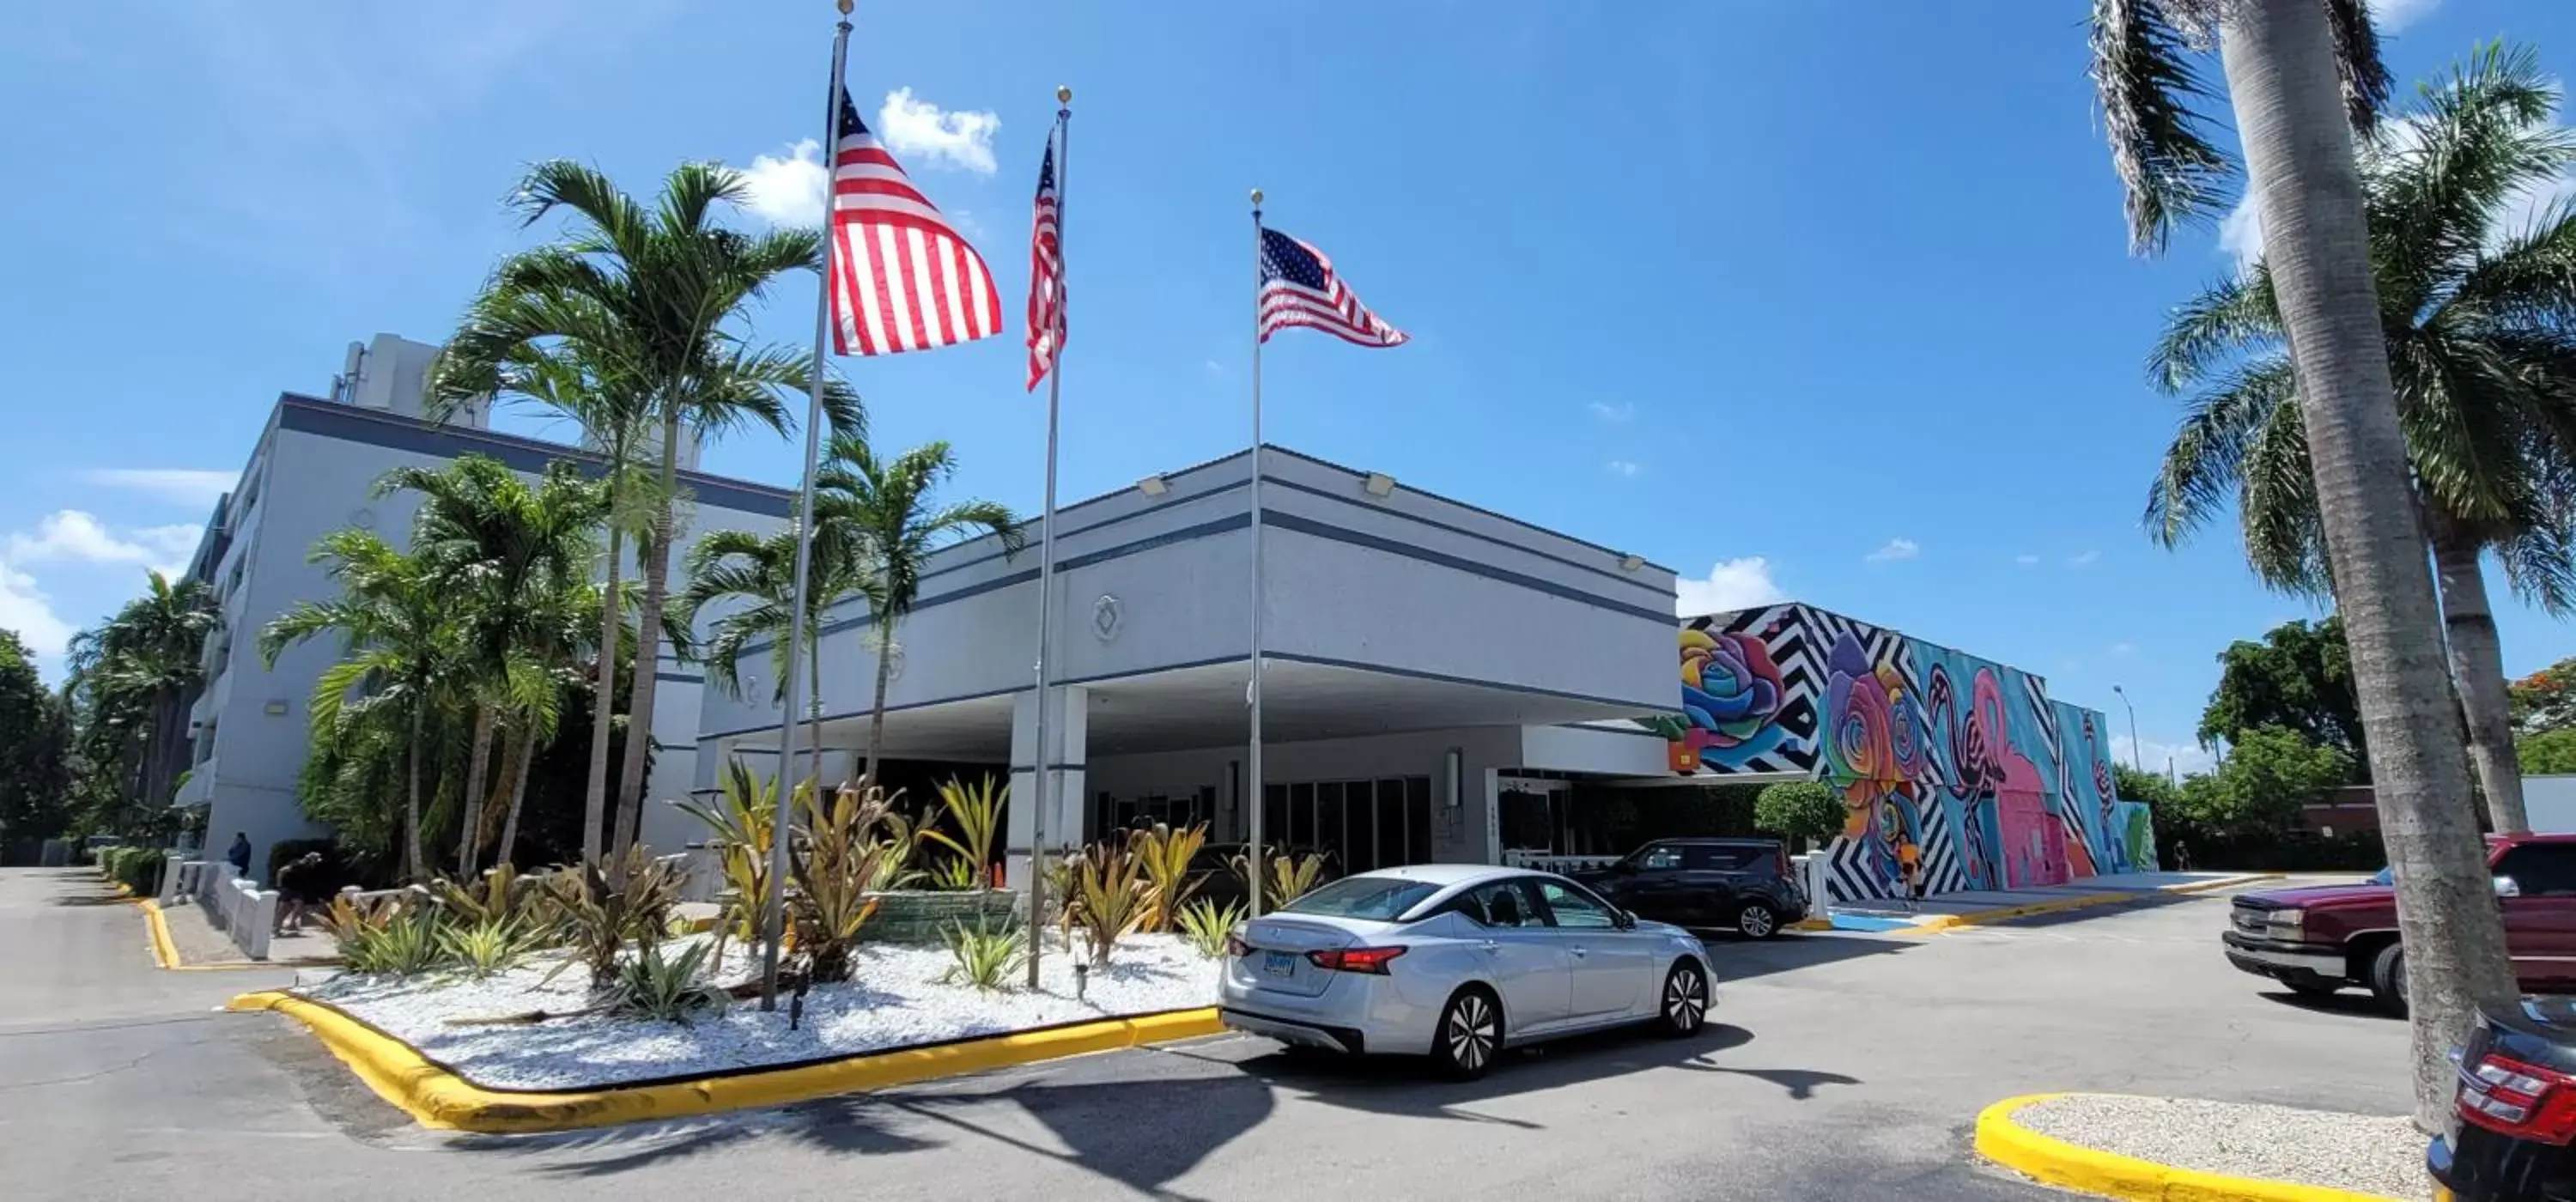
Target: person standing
x=238 y=855
x=1909 y=870
x=299 y=887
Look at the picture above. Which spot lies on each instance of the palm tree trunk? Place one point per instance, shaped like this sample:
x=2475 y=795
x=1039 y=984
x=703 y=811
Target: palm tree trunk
x=2281 y=77
x=411 y=797
x=603 y=694
x=518 y=797
x=477 y=775
x=2477 y=667
x=648 y=643
x=876 y=716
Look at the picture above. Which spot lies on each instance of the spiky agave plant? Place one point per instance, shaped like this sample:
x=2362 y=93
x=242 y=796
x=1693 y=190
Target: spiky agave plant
x=1284 y=878
x=486 y=947
x=1205 y=926
x=1109 y=899
x=598 y=911
x=837 y=859
x=977 y=809
x=985 y=955
x=1165 y=856
x=650 y=984
x=739 y=828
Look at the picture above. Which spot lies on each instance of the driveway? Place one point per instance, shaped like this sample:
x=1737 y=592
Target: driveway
x=1843 y=1066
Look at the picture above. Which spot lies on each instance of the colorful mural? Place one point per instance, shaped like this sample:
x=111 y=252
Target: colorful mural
x=1998 y=785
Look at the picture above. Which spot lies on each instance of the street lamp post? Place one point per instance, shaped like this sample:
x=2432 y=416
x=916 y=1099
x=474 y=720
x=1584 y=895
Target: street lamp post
x=2136 y=764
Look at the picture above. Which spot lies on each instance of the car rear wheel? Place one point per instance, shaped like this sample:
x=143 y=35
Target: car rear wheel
x=2388 y=979
x=1756 y=920
x=1470 y=1034
x=1685 y=1000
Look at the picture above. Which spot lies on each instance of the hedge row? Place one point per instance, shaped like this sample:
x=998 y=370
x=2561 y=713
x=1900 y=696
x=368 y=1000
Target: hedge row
x=136 y=868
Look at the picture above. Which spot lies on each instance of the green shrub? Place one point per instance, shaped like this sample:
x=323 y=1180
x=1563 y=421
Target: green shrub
x=598 y=913
x=1165 y=856
x=652 y=985
x=1111 y=897
x=1206 y=926
x=136 y=868
x=985 y=955
x=1800 y=810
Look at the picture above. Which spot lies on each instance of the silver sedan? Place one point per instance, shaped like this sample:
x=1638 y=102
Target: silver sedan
x=1459 y=961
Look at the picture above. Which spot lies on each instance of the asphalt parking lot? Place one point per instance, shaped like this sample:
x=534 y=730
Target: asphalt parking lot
x=1840 y=1065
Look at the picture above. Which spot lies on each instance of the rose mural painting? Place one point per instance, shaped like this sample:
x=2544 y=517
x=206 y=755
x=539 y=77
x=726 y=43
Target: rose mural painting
x=1996 y=783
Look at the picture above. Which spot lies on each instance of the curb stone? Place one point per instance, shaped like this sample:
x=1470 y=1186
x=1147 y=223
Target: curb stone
x=438 y=1098
x=2108 y=1174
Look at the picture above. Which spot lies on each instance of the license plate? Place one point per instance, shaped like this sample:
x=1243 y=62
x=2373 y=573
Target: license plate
x=1278 y=964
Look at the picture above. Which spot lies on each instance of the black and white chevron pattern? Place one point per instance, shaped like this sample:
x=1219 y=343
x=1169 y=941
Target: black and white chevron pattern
x=1785 y=631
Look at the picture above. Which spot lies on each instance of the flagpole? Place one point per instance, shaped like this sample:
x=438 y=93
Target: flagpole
x=1254 y=865
x=1046 y=553
x=774 y=904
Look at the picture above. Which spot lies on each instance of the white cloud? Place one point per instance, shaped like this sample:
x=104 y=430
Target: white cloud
x=1624 y=467
x=2154 y=756
x=1896 y=548
x=2393 y=15
x=788 y=191
x=2124 y=647
x=922 y=132
x=2241 y=233
x=1731 y=585
x=185 y=486
x=1215 y=370
x=2026 y=561
x=24 y=608
x=73 y=536
x=1622 y=412
x=2083 y=559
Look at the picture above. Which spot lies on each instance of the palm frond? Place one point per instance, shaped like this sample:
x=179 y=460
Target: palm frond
x=2204 y=465
x=2226 y=322
x=2170 y=167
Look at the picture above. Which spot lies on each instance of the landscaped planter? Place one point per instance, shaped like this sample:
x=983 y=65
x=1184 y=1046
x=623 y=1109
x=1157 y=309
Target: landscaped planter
x=925 y=916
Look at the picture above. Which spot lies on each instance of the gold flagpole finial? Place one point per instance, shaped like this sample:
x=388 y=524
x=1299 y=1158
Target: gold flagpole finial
x=847 y=5
x=1063 y=94
x=1256 y=198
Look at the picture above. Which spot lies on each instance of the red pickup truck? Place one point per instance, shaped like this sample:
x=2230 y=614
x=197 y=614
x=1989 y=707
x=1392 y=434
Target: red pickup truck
x=2319 y=940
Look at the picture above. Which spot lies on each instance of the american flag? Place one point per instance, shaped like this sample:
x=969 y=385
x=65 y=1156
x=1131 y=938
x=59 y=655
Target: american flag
x=1046 y=276
x=903 y=279
x=1298 y=288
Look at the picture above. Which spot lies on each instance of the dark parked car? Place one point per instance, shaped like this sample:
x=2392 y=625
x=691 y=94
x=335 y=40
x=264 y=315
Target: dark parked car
x=2319 y=940
x=1745 y=885
x=2517 y=1104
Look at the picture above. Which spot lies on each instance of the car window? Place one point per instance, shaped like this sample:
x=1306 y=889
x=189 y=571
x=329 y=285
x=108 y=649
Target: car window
x=1374 y=897
x=1660 y=856
x=1575 y=909
x=1495 y=905
x=1722 y=858
x=2541 y=869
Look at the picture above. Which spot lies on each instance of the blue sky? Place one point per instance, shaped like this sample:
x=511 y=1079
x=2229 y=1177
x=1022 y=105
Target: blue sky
x=1827 y=301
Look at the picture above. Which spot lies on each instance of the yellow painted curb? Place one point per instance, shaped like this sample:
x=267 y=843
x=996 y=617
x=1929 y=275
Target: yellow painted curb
x=165 y=952
x=2112 y=1175
x=2246 y=878
x=1812 y=924
x=436 y=1097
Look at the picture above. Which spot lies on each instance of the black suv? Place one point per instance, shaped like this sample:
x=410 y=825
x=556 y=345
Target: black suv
x=1745 y=885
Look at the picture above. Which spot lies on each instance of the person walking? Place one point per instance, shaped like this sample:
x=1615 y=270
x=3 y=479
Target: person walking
x=238 y=855
x=1909 y=870
x=299 y=887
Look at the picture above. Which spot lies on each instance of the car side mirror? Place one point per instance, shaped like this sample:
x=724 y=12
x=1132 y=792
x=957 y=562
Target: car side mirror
x=1624 y=920
x=2506 y=886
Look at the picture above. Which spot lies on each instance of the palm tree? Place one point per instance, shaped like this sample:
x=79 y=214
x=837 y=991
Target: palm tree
x=513 y=561
x=129 y=676
x=886 y=508
x=400 y=647
x=2485 y=372
x=651 y=295
x=759 y=573
x=485 y=359
x=2301 y=78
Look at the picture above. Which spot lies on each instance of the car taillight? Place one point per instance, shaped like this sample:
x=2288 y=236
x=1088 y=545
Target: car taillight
x=1782 y=852
x=2522 y=1100
x=1355 y=959
x=1235 y=946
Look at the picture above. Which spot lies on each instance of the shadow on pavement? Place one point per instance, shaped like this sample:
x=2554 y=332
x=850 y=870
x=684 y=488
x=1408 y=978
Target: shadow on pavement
x=2356 y=1003
x=1743 y=960
x=1148 y=1126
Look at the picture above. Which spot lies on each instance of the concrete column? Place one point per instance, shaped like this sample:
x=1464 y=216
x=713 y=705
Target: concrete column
x=1068 y=738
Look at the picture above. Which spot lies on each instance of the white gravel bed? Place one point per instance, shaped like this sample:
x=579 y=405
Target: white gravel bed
x=2363 y=1153
x=893 y=1000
